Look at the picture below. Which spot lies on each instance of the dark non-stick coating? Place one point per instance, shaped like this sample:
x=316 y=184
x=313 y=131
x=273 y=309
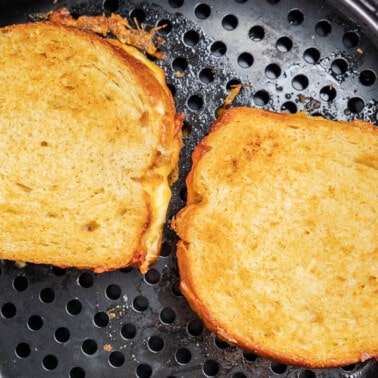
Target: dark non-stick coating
x=320 y=57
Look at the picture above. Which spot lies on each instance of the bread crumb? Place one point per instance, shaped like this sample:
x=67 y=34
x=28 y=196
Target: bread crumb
x=116 y=312
x=179 y=74
x=20 y=264
x=301 y=98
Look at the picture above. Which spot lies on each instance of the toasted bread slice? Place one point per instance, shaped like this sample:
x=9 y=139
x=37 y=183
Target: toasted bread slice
x=279 y=237
x=89 y=136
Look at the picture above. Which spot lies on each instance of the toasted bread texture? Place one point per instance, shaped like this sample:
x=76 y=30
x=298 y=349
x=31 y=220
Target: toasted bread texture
x=279 y=237
x=89 y=136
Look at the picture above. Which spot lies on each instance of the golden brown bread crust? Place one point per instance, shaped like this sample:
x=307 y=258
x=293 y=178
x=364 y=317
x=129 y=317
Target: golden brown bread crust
x=132 y=110
x=268 y=284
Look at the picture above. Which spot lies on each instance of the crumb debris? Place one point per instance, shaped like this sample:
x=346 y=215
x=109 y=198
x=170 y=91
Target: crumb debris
x=179 y=74
x=116 y=312
x=20 y=264
x=312 y=105
x=301 y=98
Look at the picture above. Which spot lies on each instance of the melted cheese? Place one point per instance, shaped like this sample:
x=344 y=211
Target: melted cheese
x=159 y=192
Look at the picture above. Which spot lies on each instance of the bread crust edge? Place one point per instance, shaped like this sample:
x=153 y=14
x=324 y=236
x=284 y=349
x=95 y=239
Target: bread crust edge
x=187 y=285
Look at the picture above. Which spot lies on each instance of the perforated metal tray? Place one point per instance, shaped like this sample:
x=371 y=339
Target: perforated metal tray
x=315 y=56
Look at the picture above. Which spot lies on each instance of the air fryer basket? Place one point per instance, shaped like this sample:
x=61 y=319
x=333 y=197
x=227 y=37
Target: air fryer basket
x=320 y=57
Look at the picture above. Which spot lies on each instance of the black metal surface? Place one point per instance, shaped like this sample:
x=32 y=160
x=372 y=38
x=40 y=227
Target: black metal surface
x=297 y=56
x=365 y=11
